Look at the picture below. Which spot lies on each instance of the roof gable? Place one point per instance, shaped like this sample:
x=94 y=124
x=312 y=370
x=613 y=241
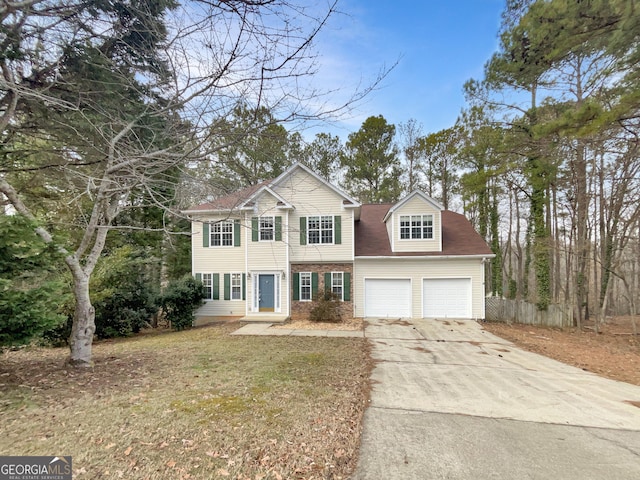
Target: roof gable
x=242 y=199
x=416 y=193
x=282 y=203
x=348 y=201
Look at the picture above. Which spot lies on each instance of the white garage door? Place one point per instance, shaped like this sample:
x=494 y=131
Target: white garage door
x=447 y=298
x=387 y=298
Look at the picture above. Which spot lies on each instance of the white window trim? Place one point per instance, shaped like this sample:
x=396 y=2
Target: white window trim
x=210 y=298
x=422 y=227
x=333 y=229
x=341 y=284
x=219 y=225
x=310 y=287
x=272 y=229
x=239 y=276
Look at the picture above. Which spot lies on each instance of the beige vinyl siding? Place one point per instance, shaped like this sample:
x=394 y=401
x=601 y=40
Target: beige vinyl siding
x=216 y=259
x=266 y=255
x=311 y=198
x=221 y=308
x=417 y=269
x=416 y=206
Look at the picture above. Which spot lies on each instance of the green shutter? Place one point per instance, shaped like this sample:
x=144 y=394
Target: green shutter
x=296 y=286
x=337 y=228
x=244 y=286
x=327 y=282
x=346 y=286
x=254 y=229
x=236 y=233
x=215 y=286
x=303 y=230
x=278 y=226
x=314 y=285
x=199 y=279
x=205 y=235
x=227 y=286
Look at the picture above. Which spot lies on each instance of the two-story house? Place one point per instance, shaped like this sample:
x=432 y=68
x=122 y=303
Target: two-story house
x=264 y=253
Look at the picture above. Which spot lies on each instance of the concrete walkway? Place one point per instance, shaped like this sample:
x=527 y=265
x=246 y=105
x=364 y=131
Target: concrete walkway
x=451 y=401
x=266 y=329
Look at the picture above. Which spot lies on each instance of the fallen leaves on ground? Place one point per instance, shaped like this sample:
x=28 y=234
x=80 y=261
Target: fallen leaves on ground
x=613 y=352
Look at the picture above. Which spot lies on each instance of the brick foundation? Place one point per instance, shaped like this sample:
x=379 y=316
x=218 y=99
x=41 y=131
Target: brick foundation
x=300 y=310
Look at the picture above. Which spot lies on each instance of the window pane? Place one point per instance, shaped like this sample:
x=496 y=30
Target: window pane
x=222 y=234
x=305 y=286
x=314 y=237
x=405 y=227
x=236 y=286
x=327 y=229
x=416 y=226
x=266 y=228
x=313 y=230
x=208 y=286
x=427 y=226
x=336 y=284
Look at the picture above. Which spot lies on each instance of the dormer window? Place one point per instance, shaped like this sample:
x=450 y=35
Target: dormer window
x=416 y=227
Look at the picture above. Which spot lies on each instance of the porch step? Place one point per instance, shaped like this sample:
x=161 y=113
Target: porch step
x=265 y=318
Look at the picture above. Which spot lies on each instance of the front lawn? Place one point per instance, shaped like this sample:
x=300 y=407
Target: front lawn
x=198 y=404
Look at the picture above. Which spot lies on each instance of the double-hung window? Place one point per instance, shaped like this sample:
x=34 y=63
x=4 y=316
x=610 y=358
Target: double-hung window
x=320 y=230
x=207 y=282
x=416 y=227
x=337 y=282
x=236 y=286
x=222 y=234
x=267 y=229
x=305 y=286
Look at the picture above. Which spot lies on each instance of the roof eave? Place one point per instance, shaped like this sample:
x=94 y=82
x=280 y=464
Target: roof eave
x=425 y=257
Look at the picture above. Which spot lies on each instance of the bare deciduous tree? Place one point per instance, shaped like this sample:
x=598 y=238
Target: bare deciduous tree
x=123 y=96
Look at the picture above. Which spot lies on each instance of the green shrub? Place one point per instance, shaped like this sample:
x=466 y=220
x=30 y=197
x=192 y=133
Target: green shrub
x=31 y=286
x=27 y=314
x=180 y=300
x=327 y=309
x=123 y=292
x=128 y=309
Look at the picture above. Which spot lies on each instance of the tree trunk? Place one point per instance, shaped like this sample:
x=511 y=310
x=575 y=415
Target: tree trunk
x=84 y=324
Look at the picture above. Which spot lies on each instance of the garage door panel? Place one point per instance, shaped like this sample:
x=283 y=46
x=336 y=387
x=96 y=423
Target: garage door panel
x=447 y=298
x=387 y=298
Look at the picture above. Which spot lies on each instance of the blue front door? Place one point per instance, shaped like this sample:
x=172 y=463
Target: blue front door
x=266 y=289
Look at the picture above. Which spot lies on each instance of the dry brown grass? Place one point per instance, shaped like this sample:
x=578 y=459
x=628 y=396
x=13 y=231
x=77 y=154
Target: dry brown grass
x=191 y=405
x=349 y=324
x=613 y=352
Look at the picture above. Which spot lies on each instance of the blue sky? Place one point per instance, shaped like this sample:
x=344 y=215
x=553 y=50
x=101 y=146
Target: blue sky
x=438 y=45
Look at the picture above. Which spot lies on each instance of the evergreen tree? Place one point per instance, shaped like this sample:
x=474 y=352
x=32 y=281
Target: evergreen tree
x=371 y=163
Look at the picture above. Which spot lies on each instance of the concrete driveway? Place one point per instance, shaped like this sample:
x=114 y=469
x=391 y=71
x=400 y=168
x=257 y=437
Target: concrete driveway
x=452 y=401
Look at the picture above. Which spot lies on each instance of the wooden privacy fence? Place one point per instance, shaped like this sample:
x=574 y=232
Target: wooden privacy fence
x=519 y=311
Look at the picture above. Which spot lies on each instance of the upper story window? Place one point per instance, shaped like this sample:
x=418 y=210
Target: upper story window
x=267 y=229
x=222 y=234
x=416 y=227
x=320 y=230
